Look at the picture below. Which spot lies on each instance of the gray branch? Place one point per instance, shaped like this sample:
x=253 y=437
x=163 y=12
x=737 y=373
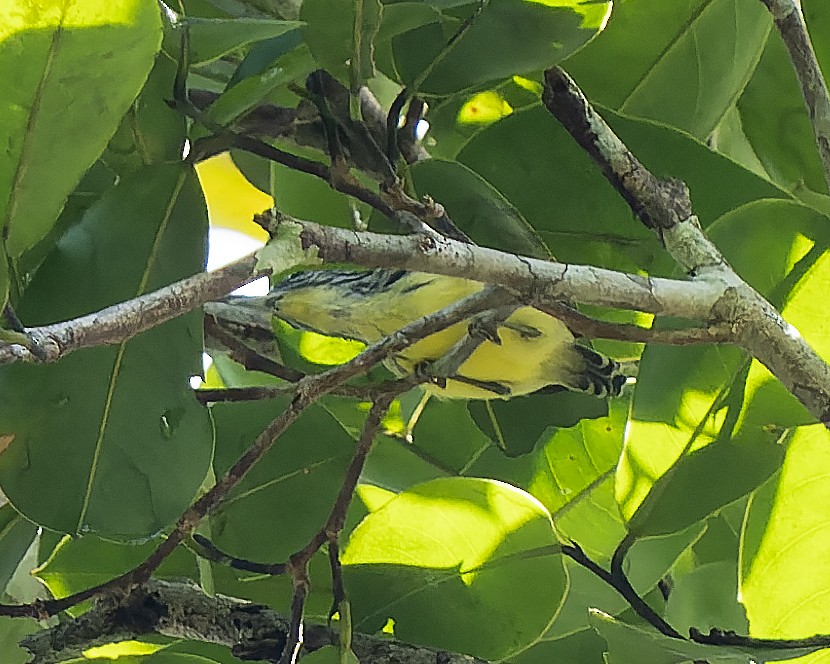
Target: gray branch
x=789 y=20
x=125 y=320
x=183 y=611
x=664 y=207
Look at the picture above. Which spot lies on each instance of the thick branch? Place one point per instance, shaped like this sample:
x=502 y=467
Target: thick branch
x=183 y=611
x=533 y=279
x=664 y=206
x=540 y=281
x=790 y=23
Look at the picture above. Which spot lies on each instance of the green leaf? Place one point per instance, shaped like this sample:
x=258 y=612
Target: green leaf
x=785 y=543
x=690 y=70
x=562 y=194
x=775 y=122
x=508 y=37
x=308 y=197
x=444 y=558
x=286 y=497
x=324 y=655
x=212 y=38
x=80 y=563
x=72 y=48
x=477 y=208
x=706 y=598
x=691 y=421
x=165 y=657
x=117 y=428
x=12 y=630
x=212 y=652
x=583 y=646
x=518 y=426
x=447 y=435
x=293 y=66
x=362 y=62
x=329 y=33
x=398 y=18
x=16 y=536
x=151 y=131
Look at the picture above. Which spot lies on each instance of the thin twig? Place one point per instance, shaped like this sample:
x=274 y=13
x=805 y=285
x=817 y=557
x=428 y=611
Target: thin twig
x=619 y=582
x=125 y=320
x=592 y=328
x=330 y=533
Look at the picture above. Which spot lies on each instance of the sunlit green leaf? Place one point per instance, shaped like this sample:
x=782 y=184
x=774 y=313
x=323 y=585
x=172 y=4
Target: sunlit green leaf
x=507 y=37
x=786 y=534
x=444 y=558
x=52 y=125
x=683 y=399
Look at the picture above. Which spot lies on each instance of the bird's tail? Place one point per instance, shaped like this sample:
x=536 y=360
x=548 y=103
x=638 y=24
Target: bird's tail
x=600 y=376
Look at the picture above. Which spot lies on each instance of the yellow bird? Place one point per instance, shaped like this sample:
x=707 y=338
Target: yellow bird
x=531 y=350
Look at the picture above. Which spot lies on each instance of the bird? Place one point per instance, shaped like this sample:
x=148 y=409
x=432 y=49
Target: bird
x=529 y=351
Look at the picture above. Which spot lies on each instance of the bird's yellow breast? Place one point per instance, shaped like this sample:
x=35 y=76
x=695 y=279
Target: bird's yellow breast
x=535 y=348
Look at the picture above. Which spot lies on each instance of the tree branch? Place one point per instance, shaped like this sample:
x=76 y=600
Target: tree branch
x=664 y=207
x=125 y=320
x=789 y=20
x=183 y=611
x=535 y=280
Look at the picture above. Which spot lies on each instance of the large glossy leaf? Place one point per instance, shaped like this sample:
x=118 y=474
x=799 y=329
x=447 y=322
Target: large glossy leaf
x=561 y=193
x=477 y=208
x=775 y=123
x=286 y=497
x=686 y=426
x=84 y=63
x=690 y=69
x=293 y=66
x=772 y=115
x=444 y=558
x=507 y=37
x=151 y=131
x=785 y=535
x=111 y=439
